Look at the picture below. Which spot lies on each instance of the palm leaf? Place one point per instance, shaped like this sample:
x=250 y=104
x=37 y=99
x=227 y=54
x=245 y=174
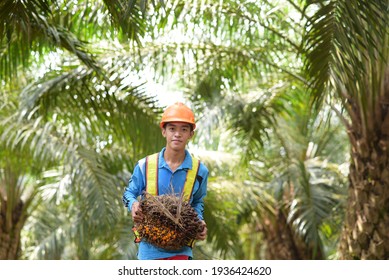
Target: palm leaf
x=349 y=64
x=27 y=27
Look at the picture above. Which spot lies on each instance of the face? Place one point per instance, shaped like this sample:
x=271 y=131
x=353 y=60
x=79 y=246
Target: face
x=177 y=135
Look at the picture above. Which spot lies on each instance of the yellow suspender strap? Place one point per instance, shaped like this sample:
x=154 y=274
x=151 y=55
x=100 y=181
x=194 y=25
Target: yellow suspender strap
x=191 y=178
x=152 y=176
x=189 y=185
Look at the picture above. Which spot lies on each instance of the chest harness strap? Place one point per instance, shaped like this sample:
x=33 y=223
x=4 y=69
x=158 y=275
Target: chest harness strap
x=152 y=176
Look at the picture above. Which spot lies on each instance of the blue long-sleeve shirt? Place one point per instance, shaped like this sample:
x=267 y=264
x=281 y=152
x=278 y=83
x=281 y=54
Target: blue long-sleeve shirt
x=166 y=181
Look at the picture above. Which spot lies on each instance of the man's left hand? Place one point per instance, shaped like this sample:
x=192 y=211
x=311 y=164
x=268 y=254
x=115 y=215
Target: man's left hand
x=202 y=235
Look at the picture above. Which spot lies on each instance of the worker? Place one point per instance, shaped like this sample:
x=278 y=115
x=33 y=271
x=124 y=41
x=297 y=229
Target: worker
x=173 y=165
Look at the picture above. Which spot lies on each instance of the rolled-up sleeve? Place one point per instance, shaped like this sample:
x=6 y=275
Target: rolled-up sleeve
x=134 y=189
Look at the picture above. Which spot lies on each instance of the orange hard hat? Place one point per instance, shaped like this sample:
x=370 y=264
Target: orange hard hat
x=178 y=112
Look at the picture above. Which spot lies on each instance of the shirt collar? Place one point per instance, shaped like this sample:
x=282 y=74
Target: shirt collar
x=186 y=164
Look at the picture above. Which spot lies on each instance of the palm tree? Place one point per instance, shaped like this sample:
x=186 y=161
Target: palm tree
x=290 y=203
x=83 y=123
x=14 y=184
x=300 y=169
x=347 y=46
x=81 y=131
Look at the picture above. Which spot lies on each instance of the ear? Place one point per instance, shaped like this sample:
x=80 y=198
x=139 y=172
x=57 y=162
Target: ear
x=163 y=131
x=191 y=134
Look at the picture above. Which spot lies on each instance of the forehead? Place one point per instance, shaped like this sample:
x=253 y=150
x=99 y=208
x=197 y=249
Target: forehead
x=178 y=124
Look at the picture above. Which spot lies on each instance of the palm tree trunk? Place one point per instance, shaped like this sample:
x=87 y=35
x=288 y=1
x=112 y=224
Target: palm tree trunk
x=366 y=230
x=10 y=230
x=282 y=243
x=366 y=234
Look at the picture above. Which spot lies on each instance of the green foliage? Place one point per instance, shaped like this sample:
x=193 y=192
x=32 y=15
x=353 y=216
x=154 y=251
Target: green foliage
x=75 y=111
x=89 y=134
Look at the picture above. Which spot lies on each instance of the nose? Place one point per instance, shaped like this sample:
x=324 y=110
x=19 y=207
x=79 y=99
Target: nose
x=177 y=133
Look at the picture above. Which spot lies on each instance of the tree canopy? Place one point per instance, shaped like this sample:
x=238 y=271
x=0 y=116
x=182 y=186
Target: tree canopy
x=282 y=90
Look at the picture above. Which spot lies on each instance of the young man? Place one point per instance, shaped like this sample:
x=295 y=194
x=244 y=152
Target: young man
x=174 y=163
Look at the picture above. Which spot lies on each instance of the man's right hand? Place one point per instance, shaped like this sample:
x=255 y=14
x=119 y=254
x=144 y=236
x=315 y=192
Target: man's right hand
x=136 y=212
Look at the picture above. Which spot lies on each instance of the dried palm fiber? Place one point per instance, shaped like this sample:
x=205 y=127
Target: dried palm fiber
x=169 y=221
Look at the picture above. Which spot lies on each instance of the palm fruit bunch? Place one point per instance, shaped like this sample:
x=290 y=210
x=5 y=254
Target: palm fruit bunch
x=169 y=222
